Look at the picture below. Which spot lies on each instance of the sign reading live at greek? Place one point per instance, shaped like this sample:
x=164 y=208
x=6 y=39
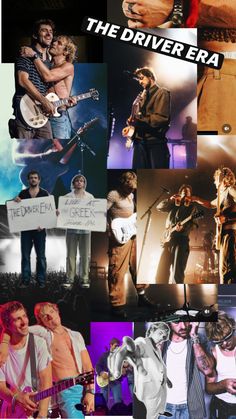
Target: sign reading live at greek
x=75 y=213
x=30 y=214
x=153 y=42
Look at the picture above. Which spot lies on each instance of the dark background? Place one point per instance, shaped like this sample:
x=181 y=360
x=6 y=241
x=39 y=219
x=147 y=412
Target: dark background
x=19 y=15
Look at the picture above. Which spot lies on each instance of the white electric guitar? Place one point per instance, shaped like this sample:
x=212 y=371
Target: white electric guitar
x=33 y=115
x=20 y=413
x=124 y=228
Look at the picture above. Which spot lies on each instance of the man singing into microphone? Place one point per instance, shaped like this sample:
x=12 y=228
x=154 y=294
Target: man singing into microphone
x=150 y=118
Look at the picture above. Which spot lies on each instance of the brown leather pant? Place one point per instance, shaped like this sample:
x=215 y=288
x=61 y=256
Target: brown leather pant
x=122 y=258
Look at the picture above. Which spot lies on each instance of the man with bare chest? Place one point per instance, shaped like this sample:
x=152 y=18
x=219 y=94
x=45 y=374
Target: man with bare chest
x=60 y=78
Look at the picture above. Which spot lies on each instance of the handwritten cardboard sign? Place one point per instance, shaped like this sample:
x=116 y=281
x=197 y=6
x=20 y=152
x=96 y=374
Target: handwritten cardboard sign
x=80 y=214
x=32 y=213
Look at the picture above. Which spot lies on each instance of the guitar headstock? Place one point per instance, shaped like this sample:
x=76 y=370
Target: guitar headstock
x=94 y=94
x=85 y=378
x=87 y=125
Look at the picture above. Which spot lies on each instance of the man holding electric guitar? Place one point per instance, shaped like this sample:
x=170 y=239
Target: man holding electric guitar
x=60 y=77
x=179 y=223
x=225 y=217
x=122 y=244
x=16 y=373
x=28 y=80
x=148 y=123
x=104 y=379
x=71 y=372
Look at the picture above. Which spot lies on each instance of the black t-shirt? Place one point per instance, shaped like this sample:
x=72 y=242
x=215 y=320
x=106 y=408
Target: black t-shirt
x=24 y=194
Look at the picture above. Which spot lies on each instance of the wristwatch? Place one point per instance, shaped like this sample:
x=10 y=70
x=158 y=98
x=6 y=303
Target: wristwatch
x=177 y=14
x=35 y=56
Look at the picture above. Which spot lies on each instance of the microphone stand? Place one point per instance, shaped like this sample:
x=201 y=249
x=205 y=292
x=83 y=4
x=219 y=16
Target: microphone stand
x=82 y=145
x=148 y=212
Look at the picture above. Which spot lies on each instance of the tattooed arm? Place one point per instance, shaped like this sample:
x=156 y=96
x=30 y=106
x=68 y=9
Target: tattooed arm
x=204 y=360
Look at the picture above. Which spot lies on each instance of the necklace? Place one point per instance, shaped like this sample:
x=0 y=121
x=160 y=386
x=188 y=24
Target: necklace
x=182 y=348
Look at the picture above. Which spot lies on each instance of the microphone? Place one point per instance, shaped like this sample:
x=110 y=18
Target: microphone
x=165 y=190
x=130 y=75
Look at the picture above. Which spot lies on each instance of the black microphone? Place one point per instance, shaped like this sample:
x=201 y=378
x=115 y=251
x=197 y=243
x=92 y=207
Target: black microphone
x=165 y=190
x=130 y=75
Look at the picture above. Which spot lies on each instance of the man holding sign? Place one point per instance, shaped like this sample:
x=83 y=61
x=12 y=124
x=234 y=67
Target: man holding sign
x=36 y=238
x=81 y=238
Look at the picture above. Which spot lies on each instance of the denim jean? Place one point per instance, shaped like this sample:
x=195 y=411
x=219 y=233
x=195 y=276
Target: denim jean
x=115 y=388
x=28 y=240
x=67 y=401
x=178 y=411
x=61 y=126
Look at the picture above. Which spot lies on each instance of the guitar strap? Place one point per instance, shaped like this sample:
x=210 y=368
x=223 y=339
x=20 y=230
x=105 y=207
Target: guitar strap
x=31 y=347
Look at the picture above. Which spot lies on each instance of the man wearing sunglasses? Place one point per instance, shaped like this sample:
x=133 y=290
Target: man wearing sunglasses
x=223 y=384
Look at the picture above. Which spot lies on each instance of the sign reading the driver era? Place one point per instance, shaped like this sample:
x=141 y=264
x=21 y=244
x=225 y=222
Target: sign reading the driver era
x=31 y=214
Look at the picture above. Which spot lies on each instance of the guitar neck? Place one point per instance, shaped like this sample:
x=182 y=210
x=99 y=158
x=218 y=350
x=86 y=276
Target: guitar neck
x=65 y=101
x=83 y=379
x=59 y=154
x=182 y=223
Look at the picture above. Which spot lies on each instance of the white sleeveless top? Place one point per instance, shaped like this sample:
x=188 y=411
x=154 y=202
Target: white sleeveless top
x=176 y=372
x=225 y=368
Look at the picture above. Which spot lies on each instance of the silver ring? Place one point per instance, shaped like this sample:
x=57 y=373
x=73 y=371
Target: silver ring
x=130 y=8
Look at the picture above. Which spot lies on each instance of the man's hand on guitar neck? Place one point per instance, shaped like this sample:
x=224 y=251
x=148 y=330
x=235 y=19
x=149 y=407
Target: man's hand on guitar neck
x=179 y=227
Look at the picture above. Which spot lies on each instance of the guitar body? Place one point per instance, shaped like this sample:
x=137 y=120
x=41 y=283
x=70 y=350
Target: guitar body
x=124 y=228
x=167 y=234
x=31 y=111
x=20 y=413
x=103 y=382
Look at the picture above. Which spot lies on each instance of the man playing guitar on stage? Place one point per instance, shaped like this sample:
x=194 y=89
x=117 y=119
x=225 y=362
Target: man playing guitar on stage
x=28 y=81
x=176 y=244
x=60 y=76
x=104 y=378
x=225 y=218
x=122 y=257
x=69 y=358
x=16 y=373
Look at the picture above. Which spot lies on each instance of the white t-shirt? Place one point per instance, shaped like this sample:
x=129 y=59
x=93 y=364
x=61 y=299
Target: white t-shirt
x=16 y=371
x=176 y=372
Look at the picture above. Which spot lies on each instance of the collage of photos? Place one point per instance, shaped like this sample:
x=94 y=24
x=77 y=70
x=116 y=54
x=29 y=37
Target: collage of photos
x=118 y=209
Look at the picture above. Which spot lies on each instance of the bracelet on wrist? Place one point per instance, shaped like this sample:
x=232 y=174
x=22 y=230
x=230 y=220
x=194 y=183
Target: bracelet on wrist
x=90 y=390
x=195 y=339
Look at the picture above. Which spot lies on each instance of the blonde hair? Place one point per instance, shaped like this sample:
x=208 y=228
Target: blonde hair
x=70 y=48
x=227 y=176
x=223 y=327
x=38 y=310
